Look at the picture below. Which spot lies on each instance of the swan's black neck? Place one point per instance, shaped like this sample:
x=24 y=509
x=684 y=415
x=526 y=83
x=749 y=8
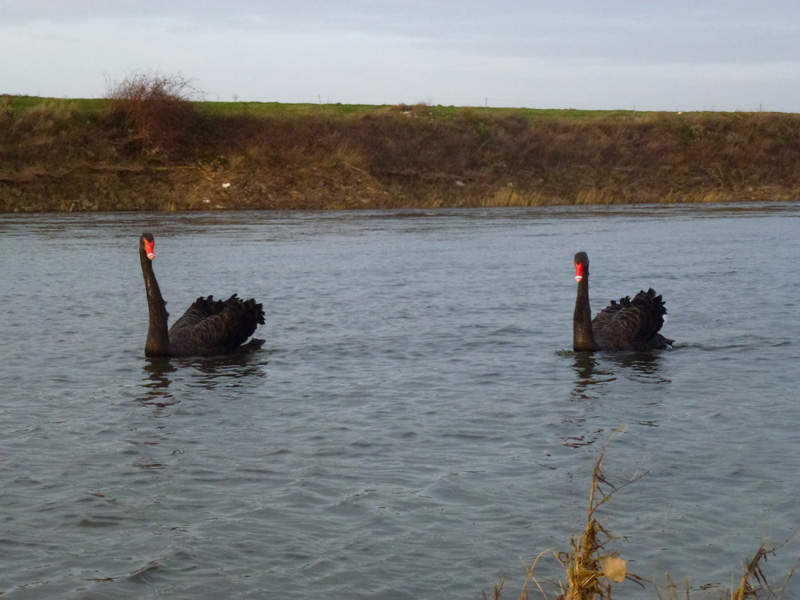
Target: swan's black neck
x=157 y=337
x=582 y=335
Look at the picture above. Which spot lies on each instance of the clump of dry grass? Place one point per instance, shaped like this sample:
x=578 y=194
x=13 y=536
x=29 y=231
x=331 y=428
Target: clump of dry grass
x=590 y=569
x=589 y=573
x=753 y=584
x=753 y=580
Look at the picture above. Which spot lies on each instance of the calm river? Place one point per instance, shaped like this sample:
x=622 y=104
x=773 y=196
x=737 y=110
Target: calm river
x=417 y=425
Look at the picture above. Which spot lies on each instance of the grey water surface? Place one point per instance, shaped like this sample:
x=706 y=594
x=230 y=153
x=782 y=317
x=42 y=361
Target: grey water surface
x=416 y=425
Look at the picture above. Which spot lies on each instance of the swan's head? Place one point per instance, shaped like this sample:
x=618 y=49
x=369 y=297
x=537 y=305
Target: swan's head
x=148 y=245
x=581 y=265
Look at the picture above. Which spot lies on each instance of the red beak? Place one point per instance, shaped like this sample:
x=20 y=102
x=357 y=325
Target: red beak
x=149 y=249
x=578 y=271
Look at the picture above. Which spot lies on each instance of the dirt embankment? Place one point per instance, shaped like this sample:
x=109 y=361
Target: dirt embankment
x=57 y=156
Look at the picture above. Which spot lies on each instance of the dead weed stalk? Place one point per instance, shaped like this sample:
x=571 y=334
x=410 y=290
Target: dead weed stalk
x=591 y=570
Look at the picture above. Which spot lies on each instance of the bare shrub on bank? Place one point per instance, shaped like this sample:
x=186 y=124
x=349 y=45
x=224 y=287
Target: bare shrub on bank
x=157 y=111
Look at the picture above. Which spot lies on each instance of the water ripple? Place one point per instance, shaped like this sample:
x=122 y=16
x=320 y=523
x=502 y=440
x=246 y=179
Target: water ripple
x=417 y=425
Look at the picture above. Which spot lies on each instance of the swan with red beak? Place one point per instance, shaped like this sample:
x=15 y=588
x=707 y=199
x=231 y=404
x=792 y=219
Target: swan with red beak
x=624 y=325
x=208 y=328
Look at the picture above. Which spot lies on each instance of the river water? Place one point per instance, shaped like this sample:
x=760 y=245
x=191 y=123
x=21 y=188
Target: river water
x=416 y=425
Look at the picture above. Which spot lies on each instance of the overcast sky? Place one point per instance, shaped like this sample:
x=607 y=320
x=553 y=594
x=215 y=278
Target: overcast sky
x=594 y=54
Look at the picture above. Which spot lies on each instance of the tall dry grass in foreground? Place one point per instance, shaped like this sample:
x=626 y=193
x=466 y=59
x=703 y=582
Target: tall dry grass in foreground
x=591 y=571
x=148 y=146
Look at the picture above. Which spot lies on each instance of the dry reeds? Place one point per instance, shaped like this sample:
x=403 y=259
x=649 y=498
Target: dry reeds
x=590 y=569
x=589 y=573
x=753 y=578
x=753 y=584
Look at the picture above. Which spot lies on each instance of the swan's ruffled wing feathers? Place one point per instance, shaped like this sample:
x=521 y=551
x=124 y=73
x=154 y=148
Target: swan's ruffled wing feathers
x=632 y=324
x=217 y=327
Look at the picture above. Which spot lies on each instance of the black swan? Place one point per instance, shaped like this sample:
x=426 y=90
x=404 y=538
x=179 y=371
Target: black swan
x=627 y=325
x=208 y=328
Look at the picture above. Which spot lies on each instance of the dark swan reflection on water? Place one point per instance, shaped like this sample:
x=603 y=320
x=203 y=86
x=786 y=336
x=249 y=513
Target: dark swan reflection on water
x=156 y=382
x=593 y=371
x=597 y=377
x=160 y=375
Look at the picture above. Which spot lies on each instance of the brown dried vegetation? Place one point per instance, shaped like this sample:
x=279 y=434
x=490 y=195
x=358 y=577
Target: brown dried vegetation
x=153 y=116
x=591 y=570
x=149 y=147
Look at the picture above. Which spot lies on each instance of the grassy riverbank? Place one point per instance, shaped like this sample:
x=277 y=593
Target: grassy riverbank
x=99 y=155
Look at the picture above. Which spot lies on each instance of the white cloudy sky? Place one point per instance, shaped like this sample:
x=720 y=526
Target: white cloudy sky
x=597 y=54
